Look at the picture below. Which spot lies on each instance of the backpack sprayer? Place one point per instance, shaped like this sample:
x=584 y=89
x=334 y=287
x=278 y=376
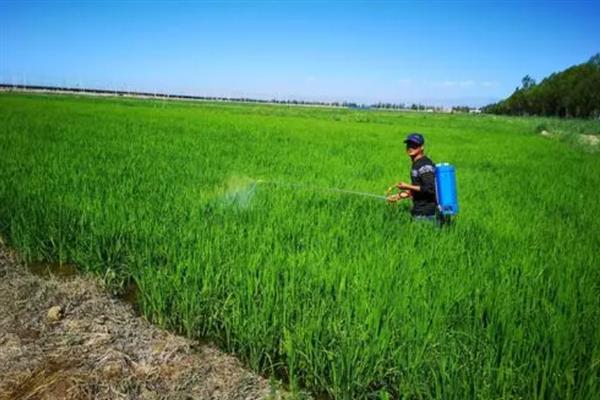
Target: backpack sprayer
x=445 y=189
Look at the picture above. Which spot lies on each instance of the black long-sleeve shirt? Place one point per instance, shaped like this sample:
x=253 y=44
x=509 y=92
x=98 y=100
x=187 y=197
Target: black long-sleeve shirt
x=423 y=175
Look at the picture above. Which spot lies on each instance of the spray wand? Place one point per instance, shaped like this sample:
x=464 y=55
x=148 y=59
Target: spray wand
x=325 y=189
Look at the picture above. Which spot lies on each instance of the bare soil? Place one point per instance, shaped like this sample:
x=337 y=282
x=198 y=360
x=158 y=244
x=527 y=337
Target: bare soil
x=63 y=337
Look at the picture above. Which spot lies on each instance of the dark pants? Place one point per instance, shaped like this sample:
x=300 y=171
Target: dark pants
x=438 y=219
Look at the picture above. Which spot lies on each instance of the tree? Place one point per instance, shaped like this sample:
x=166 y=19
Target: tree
x=595 y=59
x=574 y=92
x=527 y=82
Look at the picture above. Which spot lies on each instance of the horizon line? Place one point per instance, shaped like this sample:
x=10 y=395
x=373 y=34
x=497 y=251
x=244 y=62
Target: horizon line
x=422 y=106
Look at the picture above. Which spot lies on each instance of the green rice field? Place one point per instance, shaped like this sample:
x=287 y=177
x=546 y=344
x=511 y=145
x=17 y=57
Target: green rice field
x=220 y=214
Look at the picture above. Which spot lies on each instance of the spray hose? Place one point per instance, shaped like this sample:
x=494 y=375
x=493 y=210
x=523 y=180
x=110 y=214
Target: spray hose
x=324 y=189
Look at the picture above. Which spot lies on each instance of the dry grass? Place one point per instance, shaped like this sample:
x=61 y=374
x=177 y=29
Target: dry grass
x=98 y=348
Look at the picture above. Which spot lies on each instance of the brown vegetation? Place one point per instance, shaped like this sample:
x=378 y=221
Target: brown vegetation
x=65 y=338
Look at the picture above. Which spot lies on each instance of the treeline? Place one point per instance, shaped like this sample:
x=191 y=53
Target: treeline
x=402 y=106
x=164 y=96
x=574 y=92
x=424 y=107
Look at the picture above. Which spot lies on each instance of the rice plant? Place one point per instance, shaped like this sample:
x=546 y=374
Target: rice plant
x=215 y=212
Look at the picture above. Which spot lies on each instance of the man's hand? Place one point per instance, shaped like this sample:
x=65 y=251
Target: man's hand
x=407 y=186
x=405 y=195
x=403 y=186
x=399 y=196
x=393 y=198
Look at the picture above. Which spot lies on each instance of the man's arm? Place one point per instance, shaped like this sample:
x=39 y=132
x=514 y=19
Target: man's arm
x=408 y=186
x=428 y=183
x=427 y=178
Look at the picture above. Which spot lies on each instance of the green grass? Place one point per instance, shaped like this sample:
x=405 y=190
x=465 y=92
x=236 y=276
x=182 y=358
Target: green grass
x=337 y=294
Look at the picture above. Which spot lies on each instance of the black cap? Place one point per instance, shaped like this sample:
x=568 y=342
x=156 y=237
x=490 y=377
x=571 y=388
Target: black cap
x=416 y=138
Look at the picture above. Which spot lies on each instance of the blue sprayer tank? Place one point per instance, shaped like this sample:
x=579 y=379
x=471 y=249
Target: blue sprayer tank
x=445 y=187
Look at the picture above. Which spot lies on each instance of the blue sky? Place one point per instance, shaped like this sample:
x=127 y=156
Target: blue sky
x=441 y=53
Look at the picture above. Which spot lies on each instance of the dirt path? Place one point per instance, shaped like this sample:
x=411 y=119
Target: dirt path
x=67 y=339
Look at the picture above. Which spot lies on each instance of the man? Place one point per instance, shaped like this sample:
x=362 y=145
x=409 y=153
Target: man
x=422 y=187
